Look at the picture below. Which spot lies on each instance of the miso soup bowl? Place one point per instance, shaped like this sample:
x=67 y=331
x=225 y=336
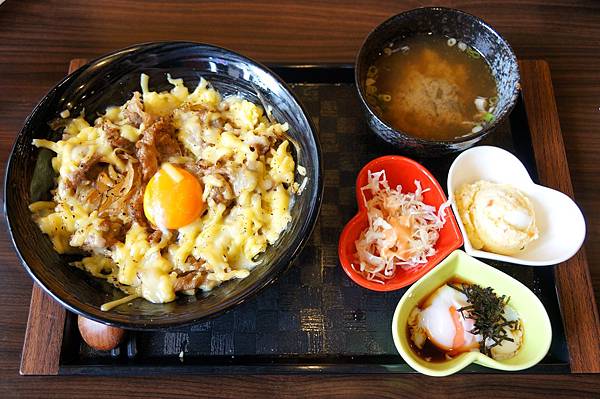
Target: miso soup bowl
x=451 y=23
x=537 y=331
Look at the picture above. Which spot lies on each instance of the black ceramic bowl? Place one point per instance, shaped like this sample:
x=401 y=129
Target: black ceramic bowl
x=451 y=23
x=110 y=80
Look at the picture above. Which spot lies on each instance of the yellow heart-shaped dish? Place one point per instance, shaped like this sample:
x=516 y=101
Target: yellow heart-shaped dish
x=536 y=324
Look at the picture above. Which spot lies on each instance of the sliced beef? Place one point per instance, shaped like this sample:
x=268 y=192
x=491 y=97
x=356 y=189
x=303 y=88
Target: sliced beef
x=85 y=167
x=157 y=143
x=198 y=169
x=189 y=281
x=260 y=148
x=147 y=154
x=113 y=231
x=202 y=168
x=113 y=135
x=192 y=279
x=134 y=111
x=94 y=171
x=223 y=194
x=155 y=236
x=166 y=143
x=136 y=207
x=194 y=169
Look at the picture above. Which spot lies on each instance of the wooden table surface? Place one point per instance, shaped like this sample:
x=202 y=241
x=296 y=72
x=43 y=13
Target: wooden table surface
x=38 y=38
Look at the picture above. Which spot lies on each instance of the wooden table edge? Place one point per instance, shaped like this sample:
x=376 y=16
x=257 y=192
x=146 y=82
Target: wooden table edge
x=573 y=281
x=43 y=337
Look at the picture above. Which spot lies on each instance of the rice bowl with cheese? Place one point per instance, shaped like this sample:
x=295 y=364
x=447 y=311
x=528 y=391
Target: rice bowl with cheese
x=155 y=246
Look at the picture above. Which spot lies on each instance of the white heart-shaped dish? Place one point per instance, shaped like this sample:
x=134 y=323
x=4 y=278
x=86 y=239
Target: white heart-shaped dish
x=559 y=220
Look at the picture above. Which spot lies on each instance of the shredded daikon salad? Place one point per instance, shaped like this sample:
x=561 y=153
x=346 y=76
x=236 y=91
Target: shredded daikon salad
x=402 y=230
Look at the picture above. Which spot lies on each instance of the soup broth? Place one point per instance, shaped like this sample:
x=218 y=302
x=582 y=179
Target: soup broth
x=432 y=87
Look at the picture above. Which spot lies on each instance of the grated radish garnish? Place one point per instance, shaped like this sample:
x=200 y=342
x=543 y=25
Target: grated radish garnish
x=402 y=229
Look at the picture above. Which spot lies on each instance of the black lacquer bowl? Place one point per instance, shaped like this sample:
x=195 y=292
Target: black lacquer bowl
x=451 y=23
x=110 y=80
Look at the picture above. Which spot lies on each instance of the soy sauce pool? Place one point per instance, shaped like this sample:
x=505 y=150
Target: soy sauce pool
x=427 y=86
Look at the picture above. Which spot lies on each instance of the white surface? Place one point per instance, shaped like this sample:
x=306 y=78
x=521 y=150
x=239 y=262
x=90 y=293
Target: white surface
x=559 y=220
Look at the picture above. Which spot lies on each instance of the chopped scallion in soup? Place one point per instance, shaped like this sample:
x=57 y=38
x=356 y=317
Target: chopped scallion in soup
x=432 y=87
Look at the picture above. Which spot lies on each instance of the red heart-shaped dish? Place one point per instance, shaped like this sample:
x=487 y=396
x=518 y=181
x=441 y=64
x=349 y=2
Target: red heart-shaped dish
x=399 y=171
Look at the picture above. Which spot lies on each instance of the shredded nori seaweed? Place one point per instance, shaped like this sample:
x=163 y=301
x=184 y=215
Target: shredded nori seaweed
x=487 y=310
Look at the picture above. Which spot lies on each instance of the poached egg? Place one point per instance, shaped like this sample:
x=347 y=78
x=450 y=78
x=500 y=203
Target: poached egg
x=441 y=322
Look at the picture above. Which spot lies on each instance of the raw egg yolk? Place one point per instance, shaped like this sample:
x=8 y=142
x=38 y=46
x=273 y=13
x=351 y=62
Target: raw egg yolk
x=173 y=198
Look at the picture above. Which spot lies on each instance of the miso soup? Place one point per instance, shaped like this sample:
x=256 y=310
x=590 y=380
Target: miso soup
x=432 y=87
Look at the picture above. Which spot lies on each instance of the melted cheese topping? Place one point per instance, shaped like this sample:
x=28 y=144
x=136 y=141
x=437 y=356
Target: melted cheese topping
x=226 y=238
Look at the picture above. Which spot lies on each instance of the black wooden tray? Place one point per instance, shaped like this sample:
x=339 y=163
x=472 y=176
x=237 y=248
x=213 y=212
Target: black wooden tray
x=314 y=319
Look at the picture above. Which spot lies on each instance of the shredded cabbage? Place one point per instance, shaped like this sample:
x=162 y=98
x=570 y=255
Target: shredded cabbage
x=402 y=229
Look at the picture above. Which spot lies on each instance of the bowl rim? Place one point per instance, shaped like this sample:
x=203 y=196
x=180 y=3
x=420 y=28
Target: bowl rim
x=421 y=141
x=282 y=264
x=361 y=214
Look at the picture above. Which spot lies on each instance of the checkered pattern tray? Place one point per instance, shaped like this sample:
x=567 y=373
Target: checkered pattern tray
x=314 y=317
